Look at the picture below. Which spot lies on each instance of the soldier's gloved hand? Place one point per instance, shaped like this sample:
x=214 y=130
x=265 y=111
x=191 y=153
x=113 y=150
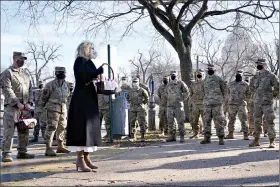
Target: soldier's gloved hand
x=100 y=70
x=20 y=106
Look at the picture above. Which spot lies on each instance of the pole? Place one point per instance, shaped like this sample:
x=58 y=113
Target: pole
x=110 y=97
x=152 y=112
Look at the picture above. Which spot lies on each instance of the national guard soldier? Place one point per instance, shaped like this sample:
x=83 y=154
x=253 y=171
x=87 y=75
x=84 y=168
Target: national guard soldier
x=17 y=89
x=38 y=112
x=138 y=98
x=237 y=94
x=177 y=92
x=143 y=85
x=214 y=95
x=54 y=100
x=196 y=96
x=266 y=86
x=163 y=125
x=104 y=113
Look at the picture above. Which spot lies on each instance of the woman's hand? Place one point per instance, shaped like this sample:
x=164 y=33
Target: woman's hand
x=100 y=70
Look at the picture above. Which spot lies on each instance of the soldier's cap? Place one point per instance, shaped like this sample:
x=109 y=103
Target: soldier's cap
x=211 y=67
x=135 y=79
x=173 y=72
x=40 y=82
x=124 y=78
x=71 y=84
x=200 y=71
x=165 y=77
x=239 y=71
x=19 y=54
x=261 y=61
x=60 y=69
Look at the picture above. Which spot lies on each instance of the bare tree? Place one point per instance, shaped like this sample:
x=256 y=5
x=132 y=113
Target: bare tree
x=142 y=63
x=174 y=20
x=122 y=73
x=41 y=55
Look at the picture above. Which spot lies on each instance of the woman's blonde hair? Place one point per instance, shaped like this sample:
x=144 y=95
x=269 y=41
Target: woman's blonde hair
x=81 y=49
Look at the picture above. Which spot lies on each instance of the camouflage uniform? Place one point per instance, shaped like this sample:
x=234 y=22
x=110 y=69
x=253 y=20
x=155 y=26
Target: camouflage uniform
x=71 y=87
x=177 y=92
x=238 y=94
x=53 y=99
x=196 y=96
x=38 y=113
x=265 y=86
x=138 y=98
x=104 y=112
x=17 y=88
x=214 y=95
x=163 y=125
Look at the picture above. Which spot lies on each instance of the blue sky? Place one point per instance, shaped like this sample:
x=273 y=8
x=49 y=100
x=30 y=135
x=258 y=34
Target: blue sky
x=14 y=33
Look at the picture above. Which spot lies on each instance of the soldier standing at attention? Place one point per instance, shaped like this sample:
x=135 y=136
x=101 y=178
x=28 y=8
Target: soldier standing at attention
x=17 y=89
x=214 y=95
x=104 y=113
x=177 y=92
x=238 y=94
x=54 y=100
x=163 y=125
x=138 y=98
x=38 y=112
x=196 y=96
x=265 y=86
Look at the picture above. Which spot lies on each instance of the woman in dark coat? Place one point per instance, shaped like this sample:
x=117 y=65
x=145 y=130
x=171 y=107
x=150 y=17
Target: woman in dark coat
x=83 y=124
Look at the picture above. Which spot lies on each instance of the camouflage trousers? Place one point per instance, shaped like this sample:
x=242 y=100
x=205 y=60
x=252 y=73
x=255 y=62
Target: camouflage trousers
x=266 y=114
x=251 y=119
x=105 y=114
x=197 y=111
x=163 y=125
x=216 y=113
x=178 y=114
x=40 y=125
x=242 y=115
x=139 y=116
x=56 y=123
x=12 y=114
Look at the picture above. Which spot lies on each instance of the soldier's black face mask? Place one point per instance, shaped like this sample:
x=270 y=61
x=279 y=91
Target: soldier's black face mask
x=259 y=67
x=211 y=72
x=60 y=75
x=173 y=77
x=41 y=86
x=20 y=63
x=238 y=78
x=71 y=89
x=165 y=82
x=199 y=76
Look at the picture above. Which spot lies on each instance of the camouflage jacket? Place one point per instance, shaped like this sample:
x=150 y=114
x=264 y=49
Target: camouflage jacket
x=103 y=102
x=16 y=86
x=145 y=88
x=214 y=90
x=55 y=96
x=238 y=93
x=177 y=92
x=162 y=96
x=137 y=98
x=196 y=92
x=36 y=95
x=265 y=86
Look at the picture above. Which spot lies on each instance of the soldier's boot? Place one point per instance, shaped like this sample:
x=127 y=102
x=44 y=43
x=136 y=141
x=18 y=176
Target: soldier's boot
x=25 y=156
x=265 y=134
x=61 y=148
x=7 y=158
x=256 y=142
x=195 y=135
x=49 y=150
x=88 y=161
x=182 y=138
x=271 y=143
x=142 y=137
x=245 y=136
x=171 y=138
x=206 y=140
x=34 y=139
x=230 y=135
x=221 y=140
